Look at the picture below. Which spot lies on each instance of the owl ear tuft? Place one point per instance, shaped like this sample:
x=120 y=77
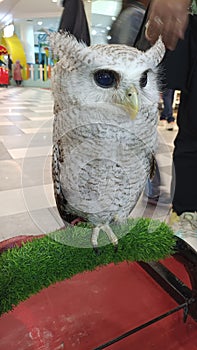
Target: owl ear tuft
x=156 y=53
x=64 y=44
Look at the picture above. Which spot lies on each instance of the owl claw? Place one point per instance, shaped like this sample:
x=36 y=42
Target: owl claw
x=115 y=248
x=97 y=251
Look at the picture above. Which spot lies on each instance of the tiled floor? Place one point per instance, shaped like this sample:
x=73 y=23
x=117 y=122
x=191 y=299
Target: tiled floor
x=26 y=192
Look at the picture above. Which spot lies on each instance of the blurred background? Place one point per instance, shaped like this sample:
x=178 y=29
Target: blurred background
x=23 y=26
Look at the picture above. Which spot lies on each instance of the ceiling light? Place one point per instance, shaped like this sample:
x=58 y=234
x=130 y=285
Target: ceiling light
x=39 y=23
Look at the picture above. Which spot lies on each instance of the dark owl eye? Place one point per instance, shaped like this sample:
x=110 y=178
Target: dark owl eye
x=106 y=78
x=143 y=79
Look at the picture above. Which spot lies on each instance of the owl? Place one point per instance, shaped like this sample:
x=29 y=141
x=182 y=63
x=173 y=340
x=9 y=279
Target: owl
x=104 y=131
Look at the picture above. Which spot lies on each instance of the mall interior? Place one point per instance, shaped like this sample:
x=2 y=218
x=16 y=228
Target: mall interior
x=93 y=307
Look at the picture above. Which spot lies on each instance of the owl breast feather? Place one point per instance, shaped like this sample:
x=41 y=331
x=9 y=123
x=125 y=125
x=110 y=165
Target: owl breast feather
x=104 y=168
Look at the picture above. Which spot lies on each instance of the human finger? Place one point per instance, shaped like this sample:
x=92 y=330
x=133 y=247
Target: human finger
x=154 y=28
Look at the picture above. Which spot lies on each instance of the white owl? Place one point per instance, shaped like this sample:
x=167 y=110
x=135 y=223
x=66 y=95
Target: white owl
x=105 y=129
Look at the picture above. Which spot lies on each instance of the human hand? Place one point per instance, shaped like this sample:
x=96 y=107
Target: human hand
x=168 y=18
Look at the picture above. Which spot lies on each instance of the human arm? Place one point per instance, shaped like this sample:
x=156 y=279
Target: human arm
x=168 y=18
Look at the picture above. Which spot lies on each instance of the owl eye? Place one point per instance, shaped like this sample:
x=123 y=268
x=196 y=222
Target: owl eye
x=106 y=78
x=143 y=79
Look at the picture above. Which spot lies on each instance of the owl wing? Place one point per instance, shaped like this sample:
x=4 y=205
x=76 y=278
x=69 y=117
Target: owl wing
x=57 y=158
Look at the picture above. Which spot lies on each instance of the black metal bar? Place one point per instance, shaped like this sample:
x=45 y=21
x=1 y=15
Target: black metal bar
x=188 y=257
x=144 y=325
x=186 y=297
x=170 y=283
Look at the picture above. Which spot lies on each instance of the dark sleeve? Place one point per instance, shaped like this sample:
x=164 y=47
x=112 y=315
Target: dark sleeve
x=125 y=29
x=74 y=21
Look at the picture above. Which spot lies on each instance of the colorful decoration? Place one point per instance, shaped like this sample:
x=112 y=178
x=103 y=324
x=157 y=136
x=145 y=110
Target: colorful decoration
x=16 y=50
x=46 y=50
x=3 y=50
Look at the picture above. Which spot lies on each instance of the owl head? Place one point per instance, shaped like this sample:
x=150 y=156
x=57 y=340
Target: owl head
x=115 y=74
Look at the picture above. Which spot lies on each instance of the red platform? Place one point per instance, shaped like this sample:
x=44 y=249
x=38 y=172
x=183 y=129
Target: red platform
x=4 y=76
x=94 y=307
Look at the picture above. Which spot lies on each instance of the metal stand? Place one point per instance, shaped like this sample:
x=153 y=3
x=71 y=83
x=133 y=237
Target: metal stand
x=185 y=254
x=184 y=296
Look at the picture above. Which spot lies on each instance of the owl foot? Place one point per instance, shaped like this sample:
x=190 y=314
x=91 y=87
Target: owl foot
x=107 y=229
x=97 y=250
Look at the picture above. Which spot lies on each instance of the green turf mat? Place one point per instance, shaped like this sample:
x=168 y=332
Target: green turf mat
x=26 y=270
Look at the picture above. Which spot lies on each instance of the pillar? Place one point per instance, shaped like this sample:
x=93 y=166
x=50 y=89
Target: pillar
x=88 y=11
x=25 y=32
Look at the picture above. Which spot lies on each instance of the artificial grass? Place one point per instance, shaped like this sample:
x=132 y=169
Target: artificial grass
x=26 y=270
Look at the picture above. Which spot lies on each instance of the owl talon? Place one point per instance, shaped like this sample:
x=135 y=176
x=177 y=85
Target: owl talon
x=115 y=248
x=97 y=251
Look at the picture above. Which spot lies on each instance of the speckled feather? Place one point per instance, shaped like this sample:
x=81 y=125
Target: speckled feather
x=101 y=157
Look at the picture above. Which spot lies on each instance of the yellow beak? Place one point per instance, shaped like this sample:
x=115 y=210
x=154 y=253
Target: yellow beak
x=131 y=102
